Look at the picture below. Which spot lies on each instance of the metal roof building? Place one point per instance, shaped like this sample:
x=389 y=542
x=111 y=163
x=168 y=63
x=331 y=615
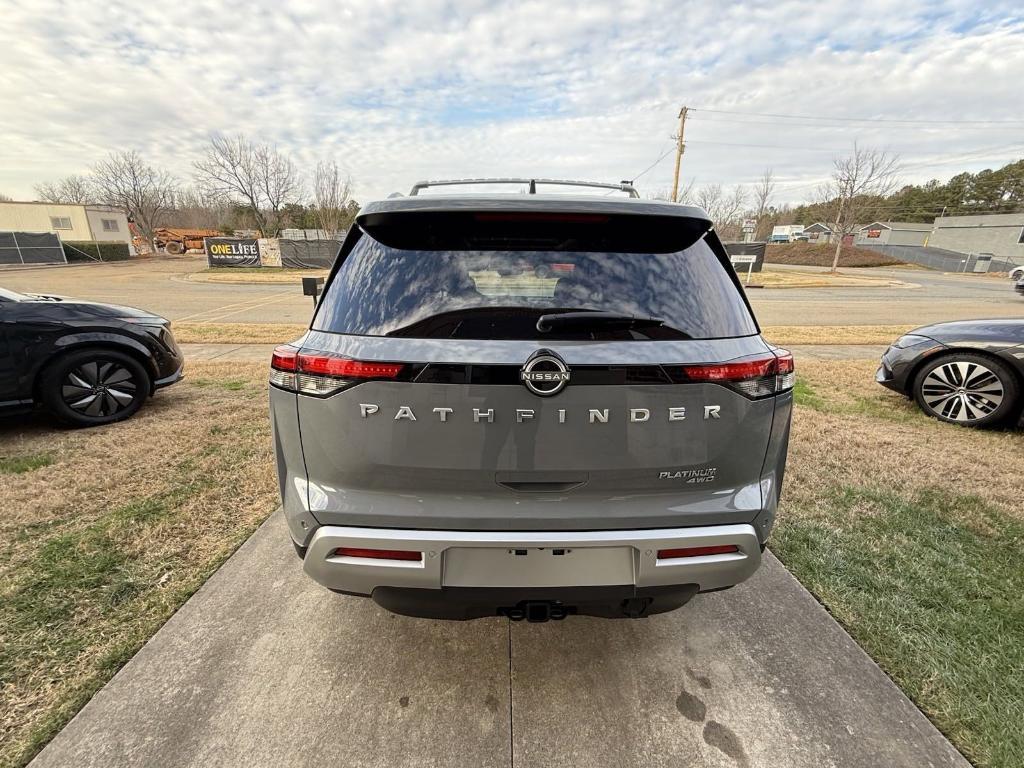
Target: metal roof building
x=1001 y=234
x=893 y=233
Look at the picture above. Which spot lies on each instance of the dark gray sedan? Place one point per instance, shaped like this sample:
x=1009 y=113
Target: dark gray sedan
x=969 y=372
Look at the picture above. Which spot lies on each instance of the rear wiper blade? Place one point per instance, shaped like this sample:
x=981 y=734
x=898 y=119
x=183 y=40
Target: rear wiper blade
x=586 y=319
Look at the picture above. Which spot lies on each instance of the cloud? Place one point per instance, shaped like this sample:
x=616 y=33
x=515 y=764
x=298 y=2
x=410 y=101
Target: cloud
x=398 y=91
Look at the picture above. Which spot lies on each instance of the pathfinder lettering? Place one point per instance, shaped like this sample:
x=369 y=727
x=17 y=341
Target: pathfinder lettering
x=562 y=415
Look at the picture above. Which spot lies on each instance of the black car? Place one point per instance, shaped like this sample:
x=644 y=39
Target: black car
x=84 y=362
x=969 y=372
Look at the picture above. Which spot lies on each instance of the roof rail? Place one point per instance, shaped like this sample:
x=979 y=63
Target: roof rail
x=622 y=186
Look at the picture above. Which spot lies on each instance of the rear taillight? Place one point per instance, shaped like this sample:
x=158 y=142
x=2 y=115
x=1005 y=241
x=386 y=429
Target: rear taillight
x=283 y=364
x=753 y=377
x=786 y=374
x=323 y=373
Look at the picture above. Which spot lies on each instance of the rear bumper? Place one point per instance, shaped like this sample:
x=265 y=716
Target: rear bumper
x=553 y=560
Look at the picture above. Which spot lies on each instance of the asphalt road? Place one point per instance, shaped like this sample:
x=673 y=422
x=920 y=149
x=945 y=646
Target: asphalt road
x=264 y=667
x=161 y=285
x=931 y=297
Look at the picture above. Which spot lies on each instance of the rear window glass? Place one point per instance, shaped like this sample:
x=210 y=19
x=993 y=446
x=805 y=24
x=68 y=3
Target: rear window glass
x=379 y=290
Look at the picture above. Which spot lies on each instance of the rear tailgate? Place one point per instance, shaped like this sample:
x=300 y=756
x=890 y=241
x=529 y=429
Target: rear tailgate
x=481 y=456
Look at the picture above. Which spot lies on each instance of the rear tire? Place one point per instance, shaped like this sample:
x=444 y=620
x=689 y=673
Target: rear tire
x=967 y=389
x=92 y=387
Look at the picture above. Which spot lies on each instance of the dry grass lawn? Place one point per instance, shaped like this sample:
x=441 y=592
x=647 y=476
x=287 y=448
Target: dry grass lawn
x=769 y=278
x=910 y=531
x=786 y=335
x=814 y=255
x=237 y=333
x=105 y=532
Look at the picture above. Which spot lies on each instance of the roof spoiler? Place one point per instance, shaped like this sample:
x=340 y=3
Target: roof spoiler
x=622 y=186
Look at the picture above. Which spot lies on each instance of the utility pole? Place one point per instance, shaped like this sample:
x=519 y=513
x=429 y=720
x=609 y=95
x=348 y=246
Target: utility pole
x=680 y=148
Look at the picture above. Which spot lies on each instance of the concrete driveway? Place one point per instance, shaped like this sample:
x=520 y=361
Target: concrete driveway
x=263 y=667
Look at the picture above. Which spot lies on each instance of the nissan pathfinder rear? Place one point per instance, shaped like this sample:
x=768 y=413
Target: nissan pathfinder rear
x=531 y=406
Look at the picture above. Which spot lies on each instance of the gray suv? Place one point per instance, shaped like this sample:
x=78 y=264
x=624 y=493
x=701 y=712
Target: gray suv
x=530 y=406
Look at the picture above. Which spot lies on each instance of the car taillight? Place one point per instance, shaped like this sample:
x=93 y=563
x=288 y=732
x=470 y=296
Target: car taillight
x=786 y=373
x=753 y=377
x=322 y=373
x=283 y=363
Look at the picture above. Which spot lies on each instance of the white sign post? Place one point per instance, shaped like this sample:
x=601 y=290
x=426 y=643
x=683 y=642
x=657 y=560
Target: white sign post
x=749 y=227
x=744 y=259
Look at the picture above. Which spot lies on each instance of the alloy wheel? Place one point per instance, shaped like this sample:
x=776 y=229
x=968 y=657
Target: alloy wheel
x=99 y=388
x=962 y=391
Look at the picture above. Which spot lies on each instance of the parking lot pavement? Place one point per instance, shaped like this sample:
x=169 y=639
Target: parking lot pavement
x=263 y=667
x=161 y=285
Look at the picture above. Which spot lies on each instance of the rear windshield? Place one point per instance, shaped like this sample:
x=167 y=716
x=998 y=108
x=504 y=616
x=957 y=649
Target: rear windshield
x=379 y=290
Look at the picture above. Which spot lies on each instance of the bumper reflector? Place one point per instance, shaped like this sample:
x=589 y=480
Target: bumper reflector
x=378 y=554
x=717 y=549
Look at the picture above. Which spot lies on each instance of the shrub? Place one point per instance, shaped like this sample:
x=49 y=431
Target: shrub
x=92 y=250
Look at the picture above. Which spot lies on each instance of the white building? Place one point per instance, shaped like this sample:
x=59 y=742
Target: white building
x=69 y=222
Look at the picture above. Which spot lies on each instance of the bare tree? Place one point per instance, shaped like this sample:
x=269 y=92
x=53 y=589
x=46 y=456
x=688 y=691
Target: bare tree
x=684 y=196
x=257 y=176
x=144 y=193
x=864 y=174
x=72 y=189
x=194 y=209
x=724 y=207
x=763 y=191
x=331 y=193
x=708 y=197
x=5 y=198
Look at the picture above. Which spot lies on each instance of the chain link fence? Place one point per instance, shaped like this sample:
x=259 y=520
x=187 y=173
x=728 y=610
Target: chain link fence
x=31 y=248
x=941 y=259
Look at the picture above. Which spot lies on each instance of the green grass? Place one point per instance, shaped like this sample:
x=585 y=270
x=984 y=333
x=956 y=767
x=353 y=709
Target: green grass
x=16 y=465
x=229 y=385
x=804 y=395
x=931 y=584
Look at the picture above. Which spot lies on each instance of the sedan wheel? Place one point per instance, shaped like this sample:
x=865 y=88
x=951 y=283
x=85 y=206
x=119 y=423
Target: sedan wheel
x=971 y=390
x=90 y=387
x=99 y=388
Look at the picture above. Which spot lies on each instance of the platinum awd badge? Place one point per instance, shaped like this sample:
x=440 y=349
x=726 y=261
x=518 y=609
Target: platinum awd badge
x=545 y=373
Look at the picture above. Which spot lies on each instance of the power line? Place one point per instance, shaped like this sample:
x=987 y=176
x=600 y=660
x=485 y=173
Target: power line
x=861 y=119
x=910 y=208
x=843 y=126
x=651 y=166
x=769 y=146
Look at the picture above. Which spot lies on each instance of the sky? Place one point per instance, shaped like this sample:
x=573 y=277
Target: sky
x=401 y=91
